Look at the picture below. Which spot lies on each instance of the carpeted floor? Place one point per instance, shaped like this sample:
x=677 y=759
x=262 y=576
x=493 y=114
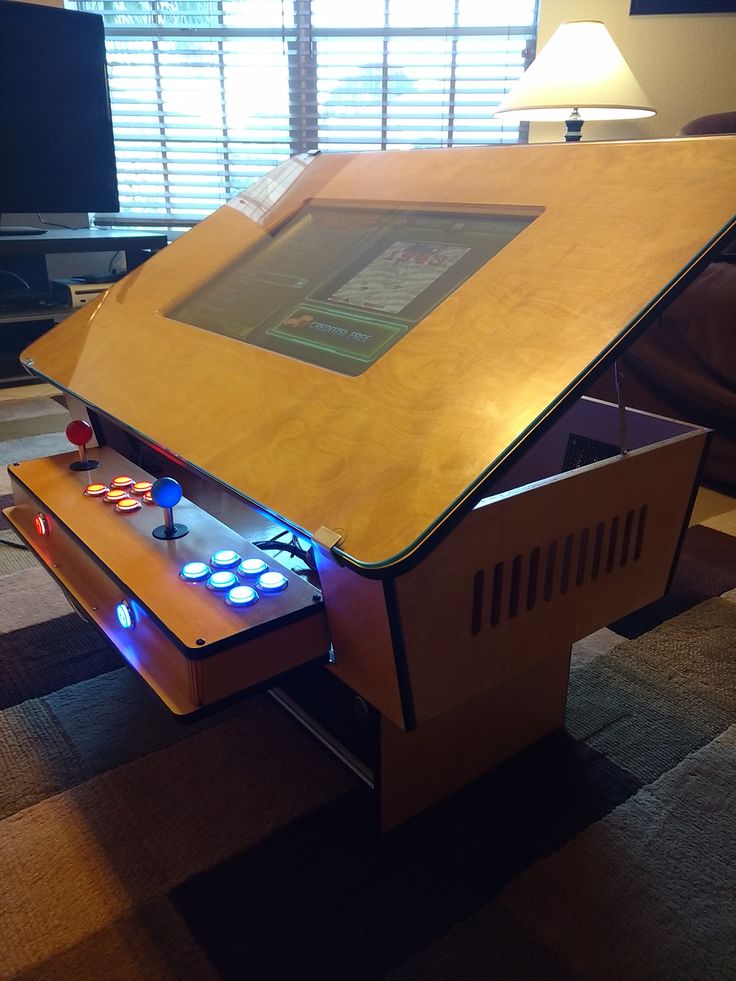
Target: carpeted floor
x=135 y=847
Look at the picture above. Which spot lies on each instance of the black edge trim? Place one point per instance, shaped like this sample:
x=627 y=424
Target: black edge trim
x=689 y=510
x=402 y=665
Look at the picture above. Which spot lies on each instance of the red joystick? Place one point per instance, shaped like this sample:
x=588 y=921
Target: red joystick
x=80 y=433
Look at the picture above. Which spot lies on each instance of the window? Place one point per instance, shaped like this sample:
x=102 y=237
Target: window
x=209 y=95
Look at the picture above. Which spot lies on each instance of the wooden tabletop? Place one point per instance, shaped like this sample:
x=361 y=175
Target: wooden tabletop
x=382 y=459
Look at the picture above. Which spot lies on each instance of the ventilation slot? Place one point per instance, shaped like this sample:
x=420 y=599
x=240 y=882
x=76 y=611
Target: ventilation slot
x=612 y=542
x=554 y=569
x=566 y=563
x=626 y=543
x=496 y=589
x=531 y=588
x=582 y=557
x=516 y=567
x=549 y=571
x=597 y=550
x=477 y=614
x=640 y=527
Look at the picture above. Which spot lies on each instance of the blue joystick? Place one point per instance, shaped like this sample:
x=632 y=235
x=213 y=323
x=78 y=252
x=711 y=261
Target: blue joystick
x=166 y=492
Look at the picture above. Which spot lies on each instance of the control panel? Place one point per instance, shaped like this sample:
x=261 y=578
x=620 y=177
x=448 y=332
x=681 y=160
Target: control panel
x=166 y=581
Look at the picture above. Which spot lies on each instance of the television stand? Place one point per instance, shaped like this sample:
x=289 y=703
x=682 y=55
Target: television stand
x=23 y=268
x=6 y=230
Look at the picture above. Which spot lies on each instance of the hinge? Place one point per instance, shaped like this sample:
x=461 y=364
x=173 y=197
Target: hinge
x=327 y=538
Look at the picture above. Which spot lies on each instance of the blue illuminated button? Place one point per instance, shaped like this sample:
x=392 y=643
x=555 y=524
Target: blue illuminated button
x=194 y=571
x=272 y=582
x=226 y=558
x=252 y=567
x=222 y=580
x=241 y=596
x=126 y=617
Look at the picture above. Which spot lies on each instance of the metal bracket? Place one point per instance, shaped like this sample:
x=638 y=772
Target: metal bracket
x=618 y=376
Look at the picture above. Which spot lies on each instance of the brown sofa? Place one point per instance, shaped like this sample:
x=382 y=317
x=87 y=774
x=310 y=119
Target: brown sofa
x=684 y=366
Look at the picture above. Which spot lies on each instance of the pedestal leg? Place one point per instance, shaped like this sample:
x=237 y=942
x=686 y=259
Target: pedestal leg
x=421 y=767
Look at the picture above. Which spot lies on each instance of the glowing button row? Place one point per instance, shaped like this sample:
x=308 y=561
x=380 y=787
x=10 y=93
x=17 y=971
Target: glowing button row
x=227 y=558
x=117 y=485
x=225 y=580
x=117 y=493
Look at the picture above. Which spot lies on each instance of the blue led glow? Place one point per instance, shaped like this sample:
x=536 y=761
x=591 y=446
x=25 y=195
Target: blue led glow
x=222 y=580
x=241 y=596
x=125 y=615
x=194 y=571
x=252 y=567
x=272 y=582
x=225 y=558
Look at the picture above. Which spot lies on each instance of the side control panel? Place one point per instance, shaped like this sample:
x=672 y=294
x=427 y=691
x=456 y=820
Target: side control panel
x=196 y=608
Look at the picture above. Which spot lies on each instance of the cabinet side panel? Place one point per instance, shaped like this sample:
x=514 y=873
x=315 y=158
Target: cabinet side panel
x=361 y=635
x=543 y=566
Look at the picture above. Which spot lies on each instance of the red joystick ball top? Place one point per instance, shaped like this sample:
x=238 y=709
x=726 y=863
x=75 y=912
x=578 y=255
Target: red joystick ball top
x=79 y=432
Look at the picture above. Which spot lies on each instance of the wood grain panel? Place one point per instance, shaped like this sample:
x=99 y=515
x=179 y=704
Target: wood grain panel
x=148 y=567
x=361 y=635
x=184 y=685
x=383 y=458
x=421 y=767
x=543 y=566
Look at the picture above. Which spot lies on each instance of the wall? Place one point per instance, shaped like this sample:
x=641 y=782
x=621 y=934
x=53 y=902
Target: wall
x=685 y=63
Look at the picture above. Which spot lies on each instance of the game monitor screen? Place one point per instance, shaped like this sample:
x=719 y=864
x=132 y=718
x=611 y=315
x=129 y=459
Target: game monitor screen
x=338 y=285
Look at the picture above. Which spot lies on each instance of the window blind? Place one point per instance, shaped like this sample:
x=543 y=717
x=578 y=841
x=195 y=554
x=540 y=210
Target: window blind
x=208 y=95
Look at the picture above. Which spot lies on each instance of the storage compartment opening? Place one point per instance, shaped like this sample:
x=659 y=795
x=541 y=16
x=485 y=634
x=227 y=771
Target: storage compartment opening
x=588 y=432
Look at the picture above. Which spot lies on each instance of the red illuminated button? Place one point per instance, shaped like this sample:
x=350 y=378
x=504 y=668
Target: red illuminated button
x=113 y=496
x=118 y=482
x=42 y=524
x=148 y=499
x=127 y=504
x=95 y=490
x=141 y=486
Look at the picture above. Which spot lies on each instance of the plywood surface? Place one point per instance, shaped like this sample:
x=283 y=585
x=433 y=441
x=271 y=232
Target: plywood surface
x=147 y=567
x=383 y=458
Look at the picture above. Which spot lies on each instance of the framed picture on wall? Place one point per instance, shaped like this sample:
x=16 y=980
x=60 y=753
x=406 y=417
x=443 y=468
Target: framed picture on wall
x=683 y=7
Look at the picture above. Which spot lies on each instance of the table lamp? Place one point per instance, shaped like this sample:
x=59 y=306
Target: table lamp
x=579 y=74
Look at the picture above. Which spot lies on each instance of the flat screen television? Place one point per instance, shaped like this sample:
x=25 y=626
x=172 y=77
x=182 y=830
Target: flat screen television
x=57 y=153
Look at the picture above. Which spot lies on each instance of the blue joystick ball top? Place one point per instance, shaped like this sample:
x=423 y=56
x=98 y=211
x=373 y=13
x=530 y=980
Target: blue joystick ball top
x=166 y=492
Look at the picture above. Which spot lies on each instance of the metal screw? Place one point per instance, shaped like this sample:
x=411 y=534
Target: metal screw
x=200 y=641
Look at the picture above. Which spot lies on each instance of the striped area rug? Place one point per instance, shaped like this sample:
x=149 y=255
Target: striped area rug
x=133 y=846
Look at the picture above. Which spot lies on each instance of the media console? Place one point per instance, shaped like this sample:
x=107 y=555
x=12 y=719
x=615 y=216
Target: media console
x=340 y=450
x=27 y=307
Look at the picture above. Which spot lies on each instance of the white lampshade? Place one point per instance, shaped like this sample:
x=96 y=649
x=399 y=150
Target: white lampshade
x=579 y=72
